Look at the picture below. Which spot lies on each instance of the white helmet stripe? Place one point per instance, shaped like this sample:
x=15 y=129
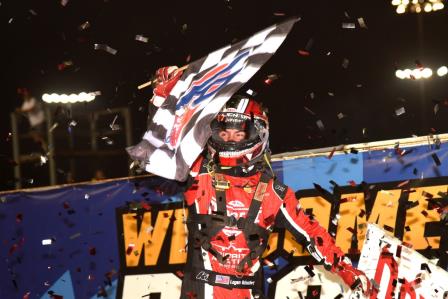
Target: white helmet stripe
x=242 y=105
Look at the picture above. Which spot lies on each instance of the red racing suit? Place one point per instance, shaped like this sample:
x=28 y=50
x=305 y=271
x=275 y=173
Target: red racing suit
x=214 y=267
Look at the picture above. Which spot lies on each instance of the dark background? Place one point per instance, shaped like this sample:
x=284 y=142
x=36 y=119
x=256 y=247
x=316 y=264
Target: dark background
x=366 y=92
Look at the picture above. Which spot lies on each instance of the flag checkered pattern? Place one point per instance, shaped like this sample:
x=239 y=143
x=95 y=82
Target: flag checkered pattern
x=180 y=128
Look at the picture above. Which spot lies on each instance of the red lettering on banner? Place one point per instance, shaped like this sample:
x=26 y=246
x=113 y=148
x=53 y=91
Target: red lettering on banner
x=386 y=259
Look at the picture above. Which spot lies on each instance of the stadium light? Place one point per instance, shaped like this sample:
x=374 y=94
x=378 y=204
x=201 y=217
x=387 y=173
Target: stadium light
x=417 y=6
x=69 y=99
x=442 y=71
x=420 y=73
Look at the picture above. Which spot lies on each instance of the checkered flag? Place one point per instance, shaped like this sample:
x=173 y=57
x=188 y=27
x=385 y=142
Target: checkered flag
x=180 y=128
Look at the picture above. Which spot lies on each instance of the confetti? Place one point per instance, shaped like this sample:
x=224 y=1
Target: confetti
x=32 y=12
x=362 y=23
x=130 y=249
x=74 y=236
x=19 y=218
x=341 y=115
x=320 y=125
x=425 y=266
x=388 y=228
x=398 y=252
x=436 y=159
x=303 y=53
x=43 y=160
x=309 y=269
x=400 y=111
x=54 y=126
x=403 y=184
x=353 y=151
x=113 y=125
x=105 y=48
x=309 y=110
x=436 y=108
x=331 y=153
x=352 y=183
x=141 y=38
x=84 y=26
x=251 y=92
x=345 y=63
x=348 y=25
x=108 y=140
x=47 y=241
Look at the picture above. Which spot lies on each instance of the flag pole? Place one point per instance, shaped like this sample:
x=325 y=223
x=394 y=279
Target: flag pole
x=141 y=86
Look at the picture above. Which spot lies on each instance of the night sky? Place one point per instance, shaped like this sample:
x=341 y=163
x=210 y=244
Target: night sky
x=348 y=70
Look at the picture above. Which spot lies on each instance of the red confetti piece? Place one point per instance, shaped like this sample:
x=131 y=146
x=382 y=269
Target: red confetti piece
x=424 y=213
x=180 y=273
x=331 y=153
x=402 y=184
x=406 y=244
x=303 y=53
x=352 y=183
x=398 y=252
x=146 y=206
x=66 y=205
x=388 y=228
x=92 y=250
x=19 y=218
x=13 y=248
x=27 y=295
x=129 y=249
x=362 y=213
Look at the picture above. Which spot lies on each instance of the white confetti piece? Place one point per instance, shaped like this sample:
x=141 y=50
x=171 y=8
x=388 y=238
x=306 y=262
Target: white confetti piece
x=362 y=23
x=400 y=111
x=105 y=48
x=141 y=38
x=47 y=241
x=320 y=125
x=348 y=25
x=84 y=25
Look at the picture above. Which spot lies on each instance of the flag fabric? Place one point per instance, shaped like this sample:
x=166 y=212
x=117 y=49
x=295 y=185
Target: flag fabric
x=180 y=128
